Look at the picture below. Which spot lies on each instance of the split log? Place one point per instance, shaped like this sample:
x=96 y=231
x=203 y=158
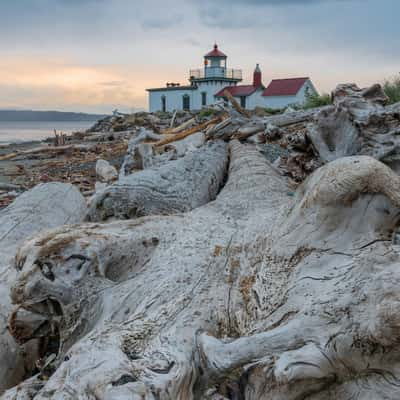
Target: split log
x=44 y=207
x=190 y=131
x=185 y=125
x=248 y=130
x=190 y=143
x=176 y=186
x=108 y=136
x=236 y=105
x=10 y=187
x=47 y=149
x=291 y=118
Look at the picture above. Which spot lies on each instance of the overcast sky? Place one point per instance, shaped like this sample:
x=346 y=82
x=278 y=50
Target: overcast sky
x=97 y=55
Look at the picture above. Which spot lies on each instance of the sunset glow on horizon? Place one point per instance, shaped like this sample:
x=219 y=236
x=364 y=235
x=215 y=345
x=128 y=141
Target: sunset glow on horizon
x=97 y=55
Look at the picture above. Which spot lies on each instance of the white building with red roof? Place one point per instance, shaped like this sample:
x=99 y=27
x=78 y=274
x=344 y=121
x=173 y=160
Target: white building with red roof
x=207 y=85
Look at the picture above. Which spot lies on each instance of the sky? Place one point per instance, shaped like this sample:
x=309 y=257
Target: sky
x=98 y=55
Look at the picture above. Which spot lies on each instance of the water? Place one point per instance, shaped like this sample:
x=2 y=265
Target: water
x=25 y=131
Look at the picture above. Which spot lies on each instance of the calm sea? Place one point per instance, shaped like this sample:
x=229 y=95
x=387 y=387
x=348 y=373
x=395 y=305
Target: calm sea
x=13 y=132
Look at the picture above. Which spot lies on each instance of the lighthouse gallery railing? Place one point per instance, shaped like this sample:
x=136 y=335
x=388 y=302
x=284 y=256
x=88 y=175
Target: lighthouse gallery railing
x=215 y=72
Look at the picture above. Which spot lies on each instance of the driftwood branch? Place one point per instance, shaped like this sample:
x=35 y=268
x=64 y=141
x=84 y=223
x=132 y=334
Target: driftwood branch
x=236 y=105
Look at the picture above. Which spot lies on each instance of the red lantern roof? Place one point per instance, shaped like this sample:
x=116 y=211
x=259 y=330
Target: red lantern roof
x=215 y=52
x=284 y=87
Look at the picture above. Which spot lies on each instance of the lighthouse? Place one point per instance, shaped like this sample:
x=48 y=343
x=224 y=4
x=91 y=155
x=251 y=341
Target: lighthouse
x=215 y=69
x=209 y=84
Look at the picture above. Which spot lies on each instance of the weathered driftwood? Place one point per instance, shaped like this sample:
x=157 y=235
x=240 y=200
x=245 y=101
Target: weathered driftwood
x=357 y=123
x=59 y=138
x=282 y=120
x=172 y=187
x=236 y=105
x=173 y=118
x=139 y=154
x=44 y=207
x=10 y=186
x=263 y=293
x=182 y=127
x=188 y=132
x=257 y=295
x=249 y=129
x=108 y=136
x=47 y=149
x=105 y=172
x=190 y=143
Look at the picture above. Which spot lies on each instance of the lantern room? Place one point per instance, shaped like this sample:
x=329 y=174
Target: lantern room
x=215 y=63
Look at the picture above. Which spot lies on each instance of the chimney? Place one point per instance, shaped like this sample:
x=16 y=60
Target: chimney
x=257 y=80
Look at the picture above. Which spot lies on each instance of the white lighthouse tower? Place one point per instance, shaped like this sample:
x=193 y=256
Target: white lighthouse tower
x=215 y=69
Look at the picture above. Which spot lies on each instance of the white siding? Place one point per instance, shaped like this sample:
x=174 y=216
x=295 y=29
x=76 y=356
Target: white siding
x=174 y=97
x=255 y=100
x=284 y=101
x=279 y=101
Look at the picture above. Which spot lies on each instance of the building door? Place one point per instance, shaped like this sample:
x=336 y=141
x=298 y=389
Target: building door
x=163 y=104
x=204 y=99
x=243 y=101
x=186 y=102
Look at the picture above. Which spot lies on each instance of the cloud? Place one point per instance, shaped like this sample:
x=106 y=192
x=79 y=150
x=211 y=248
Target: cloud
x=97 y=53
x=280 y=2
x=38 y=83
x=162 y=23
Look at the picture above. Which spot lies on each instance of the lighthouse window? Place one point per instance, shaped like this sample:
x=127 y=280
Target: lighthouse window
x=186 y=102
x=243 y=101
x=163 y=104
x=204 y=98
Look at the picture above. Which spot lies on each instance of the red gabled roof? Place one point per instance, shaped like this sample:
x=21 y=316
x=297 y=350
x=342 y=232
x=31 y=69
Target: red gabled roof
x=215 y=52
x=284 y=87
x=242 y=90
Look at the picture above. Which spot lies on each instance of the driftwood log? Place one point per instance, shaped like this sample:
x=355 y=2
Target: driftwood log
x=357 y=123
x=265 y=292
x=176 y=186
x=44 y=207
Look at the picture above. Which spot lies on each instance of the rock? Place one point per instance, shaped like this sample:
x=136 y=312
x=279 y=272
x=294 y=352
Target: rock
x=105 y=172
x=100 y=186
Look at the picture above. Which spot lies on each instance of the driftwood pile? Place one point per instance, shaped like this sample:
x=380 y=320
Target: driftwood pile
x=205 y=271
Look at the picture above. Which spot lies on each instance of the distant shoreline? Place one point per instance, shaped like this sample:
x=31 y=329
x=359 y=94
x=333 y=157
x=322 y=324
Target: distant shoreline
x=25 y=131
x=47 y=116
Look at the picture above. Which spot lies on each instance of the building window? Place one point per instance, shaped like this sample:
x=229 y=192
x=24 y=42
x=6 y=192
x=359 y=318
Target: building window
x=204 y=99
x=243 y=101
x=186 y=102
x=163 y=104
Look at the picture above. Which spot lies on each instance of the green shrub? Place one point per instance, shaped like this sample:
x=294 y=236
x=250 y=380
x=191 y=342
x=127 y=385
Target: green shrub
x=392 y=89
x=316 y=100
x=206 y=112
x=273 y=111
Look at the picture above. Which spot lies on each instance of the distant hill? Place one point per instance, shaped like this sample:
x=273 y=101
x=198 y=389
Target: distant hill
x=31 y=116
